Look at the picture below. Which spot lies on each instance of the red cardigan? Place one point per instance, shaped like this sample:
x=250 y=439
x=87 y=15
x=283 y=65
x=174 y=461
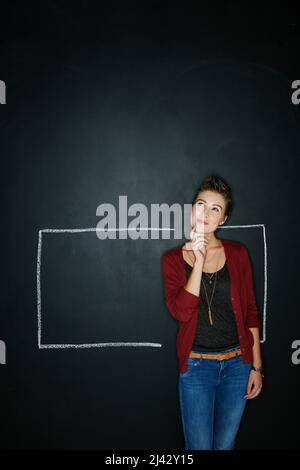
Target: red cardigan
x=184 y=306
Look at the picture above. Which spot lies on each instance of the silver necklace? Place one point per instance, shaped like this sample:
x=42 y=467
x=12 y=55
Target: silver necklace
x=209 y=302
x=210 y=277
x=213 y=291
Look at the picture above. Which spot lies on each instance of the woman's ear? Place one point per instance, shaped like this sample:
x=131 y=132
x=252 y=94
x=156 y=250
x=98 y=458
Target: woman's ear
x=223 y=222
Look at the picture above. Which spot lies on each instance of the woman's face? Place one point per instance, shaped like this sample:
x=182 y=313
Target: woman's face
x=209 y=209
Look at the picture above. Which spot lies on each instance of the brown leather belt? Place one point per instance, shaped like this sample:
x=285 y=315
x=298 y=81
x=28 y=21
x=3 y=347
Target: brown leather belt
x=227 y=355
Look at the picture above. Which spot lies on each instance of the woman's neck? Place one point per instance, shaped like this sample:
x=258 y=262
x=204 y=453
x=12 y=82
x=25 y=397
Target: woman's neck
x=213 y=241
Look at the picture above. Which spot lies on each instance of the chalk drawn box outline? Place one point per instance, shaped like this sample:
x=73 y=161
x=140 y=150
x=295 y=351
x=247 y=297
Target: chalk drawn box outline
x=39 y=309
x=117 y=344
x=264 y=338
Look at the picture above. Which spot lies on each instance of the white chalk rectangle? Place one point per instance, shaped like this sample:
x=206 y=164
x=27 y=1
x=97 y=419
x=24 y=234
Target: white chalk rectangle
x=41 y=345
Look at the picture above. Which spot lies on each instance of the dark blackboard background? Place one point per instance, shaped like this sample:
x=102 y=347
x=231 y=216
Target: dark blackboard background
x=143 y=100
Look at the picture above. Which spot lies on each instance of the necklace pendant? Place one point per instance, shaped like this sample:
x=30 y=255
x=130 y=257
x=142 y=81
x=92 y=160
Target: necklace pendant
x=210 y=317
x=210 y=282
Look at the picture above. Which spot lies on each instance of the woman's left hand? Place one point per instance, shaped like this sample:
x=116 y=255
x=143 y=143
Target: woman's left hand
x=255 y=381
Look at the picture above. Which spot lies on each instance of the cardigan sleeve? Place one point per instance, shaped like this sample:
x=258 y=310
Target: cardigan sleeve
x=181 y=303
x=253 y=319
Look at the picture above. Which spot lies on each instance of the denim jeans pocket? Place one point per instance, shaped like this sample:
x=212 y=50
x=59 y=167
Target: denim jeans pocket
x=192 y=363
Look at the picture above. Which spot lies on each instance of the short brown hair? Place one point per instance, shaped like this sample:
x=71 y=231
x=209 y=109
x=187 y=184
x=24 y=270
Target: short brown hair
x=218 y=185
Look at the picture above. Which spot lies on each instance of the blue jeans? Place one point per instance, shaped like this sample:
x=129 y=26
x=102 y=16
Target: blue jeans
x=211 y=395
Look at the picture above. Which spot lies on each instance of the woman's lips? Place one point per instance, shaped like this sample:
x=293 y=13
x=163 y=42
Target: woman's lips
x=203 y=222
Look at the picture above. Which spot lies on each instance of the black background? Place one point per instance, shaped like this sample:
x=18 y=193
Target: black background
x=142 y=99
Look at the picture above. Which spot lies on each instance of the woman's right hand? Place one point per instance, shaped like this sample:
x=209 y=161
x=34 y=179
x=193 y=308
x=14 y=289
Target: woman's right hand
x=197 y=244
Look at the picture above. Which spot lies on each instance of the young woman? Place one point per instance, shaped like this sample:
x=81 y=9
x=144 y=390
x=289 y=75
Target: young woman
x=209 y=289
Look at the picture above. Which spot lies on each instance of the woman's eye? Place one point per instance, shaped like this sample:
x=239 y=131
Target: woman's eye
x=198 y=203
